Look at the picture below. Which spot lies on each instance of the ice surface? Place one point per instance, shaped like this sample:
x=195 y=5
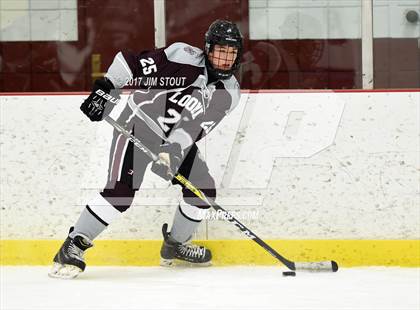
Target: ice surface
x=211 y=288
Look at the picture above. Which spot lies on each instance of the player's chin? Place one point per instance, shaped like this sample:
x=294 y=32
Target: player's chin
x=223 y=68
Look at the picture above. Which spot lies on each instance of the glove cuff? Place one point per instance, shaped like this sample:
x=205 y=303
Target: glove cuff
x=104 y=84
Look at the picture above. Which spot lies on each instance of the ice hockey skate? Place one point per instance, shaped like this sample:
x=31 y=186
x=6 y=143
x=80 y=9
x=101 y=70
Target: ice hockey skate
x=175 y=253
x=69 y=261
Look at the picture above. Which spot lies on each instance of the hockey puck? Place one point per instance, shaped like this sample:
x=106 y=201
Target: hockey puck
x=289 y=274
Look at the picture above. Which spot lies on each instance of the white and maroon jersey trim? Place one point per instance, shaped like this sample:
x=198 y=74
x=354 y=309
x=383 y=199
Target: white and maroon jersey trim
x=172 y=93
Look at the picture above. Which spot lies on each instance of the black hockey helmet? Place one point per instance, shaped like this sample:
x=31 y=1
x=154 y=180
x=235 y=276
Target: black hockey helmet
x=223 y=32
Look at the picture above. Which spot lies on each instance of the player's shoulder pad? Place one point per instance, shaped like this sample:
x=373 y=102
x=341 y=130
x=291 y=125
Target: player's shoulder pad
x=185 y=54
x=234 y=90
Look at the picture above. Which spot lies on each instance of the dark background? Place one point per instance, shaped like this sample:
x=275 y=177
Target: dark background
x=267 y=64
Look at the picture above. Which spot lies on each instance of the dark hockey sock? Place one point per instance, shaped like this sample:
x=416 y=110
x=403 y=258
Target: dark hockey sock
x=186 y=220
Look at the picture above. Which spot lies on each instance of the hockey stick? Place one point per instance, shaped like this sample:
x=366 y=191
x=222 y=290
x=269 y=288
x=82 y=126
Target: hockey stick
x=308 y=266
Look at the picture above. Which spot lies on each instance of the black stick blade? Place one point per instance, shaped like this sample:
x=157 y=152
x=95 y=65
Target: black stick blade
x=334 y=266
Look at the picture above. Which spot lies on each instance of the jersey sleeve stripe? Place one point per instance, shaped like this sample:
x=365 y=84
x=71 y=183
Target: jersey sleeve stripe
x=119 y=72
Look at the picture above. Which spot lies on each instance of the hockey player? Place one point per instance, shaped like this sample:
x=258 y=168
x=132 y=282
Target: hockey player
x=180 y=93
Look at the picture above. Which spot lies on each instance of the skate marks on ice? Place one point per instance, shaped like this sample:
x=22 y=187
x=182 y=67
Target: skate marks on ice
x=211 y=288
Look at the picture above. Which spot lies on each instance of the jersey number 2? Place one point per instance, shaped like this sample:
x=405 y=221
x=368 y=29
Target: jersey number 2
x=175 y=117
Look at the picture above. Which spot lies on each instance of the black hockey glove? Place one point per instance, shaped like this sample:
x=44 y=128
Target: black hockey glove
x=100 y=102
x=170 y=158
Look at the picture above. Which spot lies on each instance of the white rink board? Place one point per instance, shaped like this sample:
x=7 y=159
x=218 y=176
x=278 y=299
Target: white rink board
x=241 y=288
x=312 y=165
